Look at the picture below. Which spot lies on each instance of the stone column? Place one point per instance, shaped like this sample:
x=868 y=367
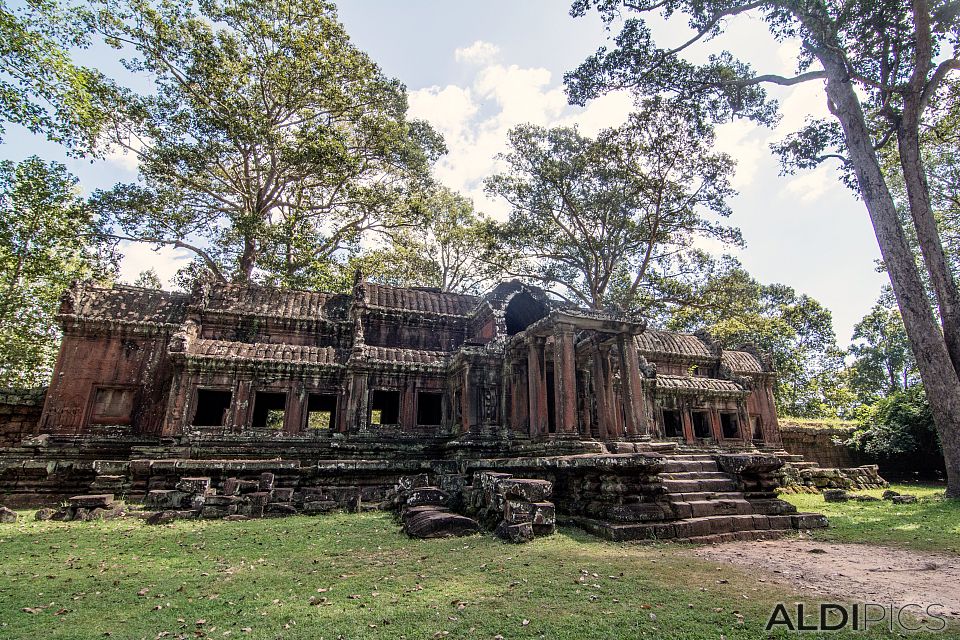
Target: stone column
x=356 y=414
x=296 y=403
x=687 y=422
x=565 y=379
x=636 y=423
x=537 y=386
x=240 y=412
x=521 y=405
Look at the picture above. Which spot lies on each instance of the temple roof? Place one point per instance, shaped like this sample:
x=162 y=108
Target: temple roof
x=283 y=303
x=742 y=362
x=124 y=304
x=696 y=384
x=421 y=300
x=396 y=356
x=666 y=342
x=263 y=352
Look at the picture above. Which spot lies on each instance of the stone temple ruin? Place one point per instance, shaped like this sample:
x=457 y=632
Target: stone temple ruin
x=509 y=409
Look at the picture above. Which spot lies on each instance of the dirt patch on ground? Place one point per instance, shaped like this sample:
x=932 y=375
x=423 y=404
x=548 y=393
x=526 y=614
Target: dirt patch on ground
x=852 y=572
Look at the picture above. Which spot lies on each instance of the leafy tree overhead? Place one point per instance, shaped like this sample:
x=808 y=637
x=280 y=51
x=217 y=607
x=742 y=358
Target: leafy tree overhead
x=447 y=245
x=884 y=362
x=616 y=219
x=48 y=238
x=271 y=145
x=795 y=329
x=884 y=65
x=41 y=88
x=148 y=279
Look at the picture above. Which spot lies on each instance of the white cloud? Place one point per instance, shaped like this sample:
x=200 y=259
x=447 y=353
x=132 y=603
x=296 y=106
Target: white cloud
x=812 y=185
x=448 y=109
x=479 y=52
x=739 y=139
x=123 y=159
x=139 y=257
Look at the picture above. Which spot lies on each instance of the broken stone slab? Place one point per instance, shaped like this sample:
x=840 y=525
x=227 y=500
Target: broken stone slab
x=280 y=509
x=889 y=494
x=208 y=512
x=526 y=489
x=405 y=483
x=544 y=513
x=427 y=496
x=835 y=495
x=516 y=533
x=7 y=515
x=258 y=498
x=281 y=495
x=163 y=499
x=236 y=517
x=220 y=501
x=540 y=530
x=45 y=513
x=903 y=499
x=809 y=521
x=439 y=523
x=516 y=511
x=92 y=501
x=231 y=487
x=266 y=481
x=198 y=485
x=863 y=497
x=248 y=486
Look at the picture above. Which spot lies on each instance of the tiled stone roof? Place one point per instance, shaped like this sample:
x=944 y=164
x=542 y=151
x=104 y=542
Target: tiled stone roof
x=263 y=352
x=666 y=342
x=126 y=305
x=695 y=384
x=392 y=355
x=281 y=303
x=742 y=362
x=418 y=300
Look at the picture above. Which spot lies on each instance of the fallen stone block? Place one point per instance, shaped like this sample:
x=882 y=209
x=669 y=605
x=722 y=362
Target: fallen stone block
x=516 y=533
x=280 y=509
x=162 y=517
x=529 y=490
x=863 y=497
x=258 y=498
x=835 y=495
x=266 y=481
x=198 y=485
x=405 y=483
x=217 y=512
x=319 y=506
x=517 y=511
x=247 y=486
x=281 y=495
x=236 y=517
x=540 y=530
x=220 y=501
x=544 y=513
x=231 y=487
x=439 y=523
x=890 y=493
x=903 y=499
x=102 y=500
x=809 y=521
x=8 y=516
x=163 y=499
x=427 y=496
x=44 y=514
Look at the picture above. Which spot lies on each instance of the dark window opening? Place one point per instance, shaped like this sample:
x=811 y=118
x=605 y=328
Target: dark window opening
x=321 y=411
x=429 y=408
x=384 y=407
x=672 y=424
x=729 y=425
x=212 y=408
x=522 y=311
x=756 y=426
x=551 y=404
x=701 y=424
x=269 y=409
x=112 y=405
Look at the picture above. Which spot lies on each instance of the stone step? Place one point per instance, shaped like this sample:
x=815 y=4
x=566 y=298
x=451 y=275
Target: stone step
x=705 y=484
x=735 y=536
x=702 y=495
x=695 y=475
x=698 y=528
x=707 y=508
x=681 y=466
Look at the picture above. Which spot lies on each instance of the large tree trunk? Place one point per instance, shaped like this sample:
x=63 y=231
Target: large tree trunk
x=933 y=359
x=928 y=234
x=248 y=260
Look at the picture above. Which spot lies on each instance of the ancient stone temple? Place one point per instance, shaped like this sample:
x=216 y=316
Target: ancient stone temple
x=505 y=407
x=388 y=364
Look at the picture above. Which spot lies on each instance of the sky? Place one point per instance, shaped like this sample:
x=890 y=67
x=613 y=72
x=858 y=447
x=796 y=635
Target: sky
x=475 y=69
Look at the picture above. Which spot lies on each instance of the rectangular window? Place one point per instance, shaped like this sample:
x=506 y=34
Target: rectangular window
x=429 y=408
x=384 y=407
x=269 y=409
x=701 y=423
x=729 y=425
x=321 y=411
x=672 y=424
x=212 y=407
x=112 y=405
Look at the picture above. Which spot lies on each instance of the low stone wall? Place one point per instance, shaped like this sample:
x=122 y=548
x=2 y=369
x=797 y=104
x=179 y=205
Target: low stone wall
x=19 y=414
x=820 y=444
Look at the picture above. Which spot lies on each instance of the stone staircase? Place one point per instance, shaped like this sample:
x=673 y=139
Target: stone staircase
x=702 y=503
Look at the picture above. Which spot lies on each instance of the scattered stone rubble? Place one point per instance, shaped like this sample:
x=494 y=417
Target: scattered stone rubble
x=100 y=506
x=809 y=478
x=842 y=495
x=238 y=499
x=425 y=510
x=517 y=509
x=7 y=516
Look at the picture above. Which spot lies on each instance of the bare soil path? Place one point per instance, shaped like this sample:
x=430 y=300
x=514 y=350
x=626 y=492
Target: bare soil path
x=852 y=572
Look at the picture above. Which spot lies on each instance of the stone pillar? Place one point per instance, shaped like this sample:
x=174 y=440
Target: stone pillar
x=356 y=414
x=296 y=408
x=636 y=422
x=537 y=386
x=715 y=429
x=240 y=411
x=687 y=423
x=565 y=379
x=521 y=405
x=408 y=406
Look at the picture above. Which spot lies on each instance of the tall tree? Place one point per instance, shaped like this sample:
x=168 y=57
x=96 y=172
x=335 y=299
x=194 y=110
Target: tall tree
x=48 y=238
x=270 y=143
x=884 y=364
x=447 y=245
x=41 y=88
x=794 y=328
x=882 y=63
x=616 y=219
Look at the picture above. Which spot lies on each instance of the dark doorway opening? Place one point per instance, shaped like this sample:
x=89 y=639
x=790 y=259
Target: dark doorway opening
x=729 y=425
x=551 y=404
x=522 y=311
x=212 y=407
x=269 y=409
x=429 y=408
x=701 y=424
x=756 y=426
x=384 y=407
x=321 y=411
x=672 y=424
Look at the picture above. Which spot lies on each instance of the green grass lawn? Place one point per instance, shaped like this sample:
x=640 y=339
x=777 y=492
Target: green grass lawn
x=931 y=524
x=357 y=576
